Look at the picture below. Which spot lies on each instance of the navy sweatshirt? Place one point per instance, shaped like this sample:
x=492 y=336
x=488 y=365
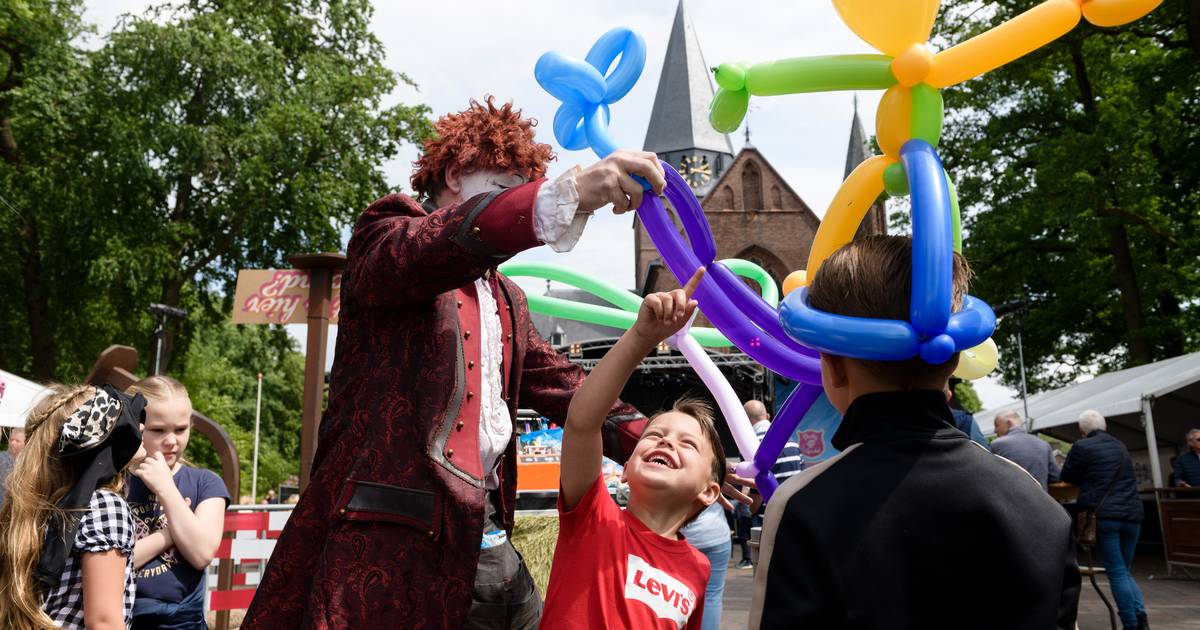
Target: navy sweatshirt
x=913 y=526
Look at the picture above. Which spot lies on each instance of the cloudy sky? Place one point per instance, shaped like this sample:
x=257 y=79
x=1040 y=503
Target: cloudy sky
x=456 y=50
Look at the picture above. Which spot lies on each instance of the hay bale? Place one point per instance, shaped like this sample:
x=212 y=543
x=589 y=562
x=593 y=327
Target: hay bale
x=534 y=537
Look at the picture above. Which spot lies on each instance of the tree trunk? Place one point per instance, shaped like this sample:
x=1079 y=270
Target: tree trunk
x=1131 y=296
x=172 y=289
x=1172 y=341
x=1193 y=25
x=37 y=306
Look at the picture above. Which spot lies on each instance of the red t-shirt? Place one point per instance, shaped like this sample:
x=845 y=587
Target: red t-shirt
x=611 y=571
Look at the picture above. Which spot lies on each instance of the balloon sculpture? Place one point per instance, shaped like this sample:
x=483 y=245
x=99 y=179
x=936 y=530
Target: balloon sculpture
x=908 y=128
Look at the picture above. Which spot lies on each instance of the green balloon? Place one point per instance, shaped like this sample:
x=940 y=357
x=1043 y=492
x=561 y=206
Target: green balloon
x=766 y=284
x=820 y=74
x=895 y=180
x=927 y=113
x=623 y=313
x=955 y=215
x=727 y=109
x=731 y=76
x=610 y=293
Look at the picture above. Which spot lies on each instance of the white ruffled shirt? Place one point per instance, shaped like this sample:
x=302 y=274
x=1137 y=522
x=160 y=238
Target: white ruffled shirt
x=557 y=224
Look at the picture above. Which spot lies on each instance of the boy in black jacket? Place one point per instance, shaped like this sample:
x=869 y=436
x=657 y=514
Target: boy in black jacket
x=912 y=525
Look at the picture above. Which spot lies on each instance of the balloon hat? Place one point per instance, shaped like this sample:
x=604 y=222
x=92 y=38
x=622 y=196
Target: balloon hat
x=908 y=128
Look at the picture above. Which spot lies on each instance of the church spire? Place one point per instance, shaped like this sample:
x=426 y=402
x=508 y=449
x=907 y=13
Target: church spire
x=859 y=150
x=679 y=120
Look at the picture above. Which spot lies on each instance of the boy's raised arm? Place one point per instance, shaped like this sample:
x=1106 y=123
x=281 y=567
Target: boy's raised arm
x=661 y=315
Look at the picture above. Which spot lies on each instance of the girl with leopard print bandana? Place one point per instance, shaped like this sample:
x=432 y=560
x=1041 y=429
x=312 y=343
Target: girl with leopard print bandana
x=66 y=554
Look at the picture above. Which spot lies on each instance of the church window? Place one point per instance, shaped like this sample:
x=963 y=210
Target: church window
x=776 y=197
x=752 y=193
x=725 y=200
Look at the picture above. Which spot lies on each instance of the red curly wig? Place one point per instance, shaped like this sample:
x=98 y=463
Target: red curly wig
x=482 y=136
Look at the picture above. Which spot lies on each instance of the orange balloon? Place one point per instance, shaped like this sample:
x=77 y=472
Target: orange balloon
x=846 y=211
x=893 y=119
x=794 y=281
x=1011 y=40
x=913 y=65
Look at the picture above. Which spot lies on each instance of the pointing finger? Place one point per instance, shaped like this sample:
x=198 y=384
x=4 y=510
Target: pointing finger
x=690 y=288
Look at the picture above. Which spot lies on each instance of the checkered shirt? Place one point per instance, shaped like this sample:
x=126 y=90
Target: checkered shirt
x=108 y=524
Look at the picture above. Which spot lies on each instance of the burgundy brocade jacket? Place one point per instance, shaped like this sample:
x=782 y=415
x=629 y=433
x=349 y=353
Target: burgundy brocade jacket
x=387 y=533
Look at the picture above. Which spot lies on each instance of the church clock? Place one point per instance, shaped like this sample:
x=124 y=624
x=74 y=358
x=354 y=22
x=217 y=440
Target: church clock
x=696 y=169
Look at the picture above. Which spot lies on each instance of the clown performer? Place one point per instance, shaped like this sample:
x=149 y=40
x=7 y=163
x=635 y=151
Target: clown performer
x=406 y=521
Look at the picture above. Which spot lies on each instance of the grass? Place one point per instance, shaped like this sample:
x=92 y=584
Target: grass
x=534 y=537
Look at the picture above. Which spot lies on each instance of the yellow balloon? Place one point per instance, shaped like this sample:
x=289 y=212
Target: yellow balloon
x=794 y=281
x=890 y=26
x=847 y=210
x=978 y=362
x=893 y=119
x=1013 y=39
x=1117 y=12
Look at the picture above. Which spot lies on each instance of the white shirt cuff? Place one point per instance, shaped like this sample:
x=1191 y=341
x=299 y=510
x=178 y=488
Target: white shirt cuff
x=555 y=220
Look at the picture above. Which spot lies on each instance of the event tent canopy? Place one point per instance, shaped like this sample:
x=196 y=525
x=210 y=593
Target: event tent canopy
x=1158 y=401
x=17 y=397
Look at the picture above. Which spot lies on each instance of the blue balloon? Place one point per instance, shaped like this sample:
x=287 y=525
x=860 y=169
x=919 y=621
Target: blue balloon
x=586 y=88
x=933 y=239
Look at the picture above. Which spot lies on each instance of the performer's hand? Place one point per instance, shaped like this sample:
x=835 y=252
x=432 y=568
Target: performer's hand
x=663 y=314
x=730 y=487
x=609 y=182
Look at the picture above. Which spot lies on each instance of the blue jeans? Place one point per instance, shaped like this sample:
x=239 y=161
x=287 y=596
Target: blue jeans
x=1116 y=540
x=718 y=560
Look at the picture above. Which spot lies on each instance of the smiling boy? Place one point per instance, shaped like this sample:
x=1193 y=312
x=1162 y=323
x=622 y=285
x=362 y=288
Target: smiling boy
x=631 y=568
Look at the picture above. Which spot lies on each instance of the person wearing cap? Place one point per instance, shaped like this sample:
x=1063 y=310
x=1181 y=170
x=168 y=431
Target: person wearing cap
x=68 y=557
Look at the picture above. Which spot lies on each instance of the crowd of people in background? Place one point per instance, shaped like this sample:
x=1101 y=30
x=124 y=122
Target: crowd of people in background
x=151 y=522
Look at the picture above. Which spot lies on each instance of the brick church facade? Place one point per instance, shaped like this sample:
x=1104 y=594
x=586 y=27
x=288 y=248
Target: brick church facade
x=754 y=213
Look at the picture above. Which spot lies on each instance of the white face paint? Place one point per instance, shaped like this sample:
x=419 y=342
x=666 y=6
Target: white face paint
x=487 y=180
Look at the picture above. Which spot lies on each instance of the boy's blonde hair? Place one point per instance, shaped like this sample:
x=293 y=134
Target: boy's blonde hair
x=872 y=277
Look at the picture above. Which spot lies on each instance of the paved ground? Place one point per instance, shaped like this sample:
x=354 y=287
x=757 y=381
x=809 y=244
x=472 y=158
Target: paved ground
x=1173 y=604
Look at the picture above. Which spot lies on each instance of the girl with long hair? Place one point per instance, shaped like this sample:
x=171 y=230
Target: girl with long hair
x=66 y=556
x=179 y=511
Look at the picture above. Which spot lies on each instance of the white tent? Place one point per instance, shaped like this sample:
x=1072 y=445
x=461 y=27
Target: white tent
x=17 y=397
x=1155 y=403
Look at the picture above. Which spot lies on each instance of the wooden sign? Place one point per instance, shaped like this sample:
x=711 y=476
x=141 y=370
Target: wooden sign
x=278 y=296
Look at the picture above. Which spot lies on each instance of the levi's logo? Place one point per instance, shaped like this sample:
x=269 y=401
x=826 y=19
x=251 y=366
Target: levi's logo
x=666 y=596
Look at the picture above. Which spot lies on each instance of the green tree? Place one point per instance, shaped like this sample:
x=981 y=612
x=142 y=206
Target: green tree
x=1078 y=166
x=42 y=117
x=201 y=138
x=221 y=371
x=964 y=393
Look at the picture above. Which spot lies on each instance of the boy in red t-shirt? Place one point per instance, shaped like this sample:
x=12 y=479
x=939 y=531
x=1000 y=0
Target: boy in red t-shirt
x=630 y=568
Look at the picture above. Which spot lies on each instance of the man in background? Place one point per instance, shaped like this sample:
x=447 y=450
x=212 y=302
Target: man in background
x=790 y=459
x=1029 y=452
x=1187 y=466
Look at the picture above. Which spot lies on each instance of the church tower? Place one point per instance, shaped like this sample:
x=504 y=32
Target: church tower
x=679 y=131
x=859 y=150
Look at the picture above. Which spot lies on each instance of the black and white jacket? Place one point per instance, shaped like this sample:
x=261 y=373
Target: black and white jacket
x=913 y=525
